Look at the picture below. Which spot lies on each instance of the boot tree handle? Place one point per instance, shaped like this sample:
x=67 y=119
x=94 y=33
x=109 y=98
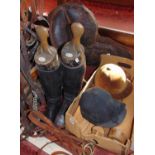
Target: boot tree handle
x=42 y=33
x=77 y=30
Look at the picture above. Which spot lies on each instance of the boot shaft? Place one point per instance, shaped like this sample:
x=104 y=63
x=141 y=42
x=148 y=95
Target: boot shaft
x=51 y=81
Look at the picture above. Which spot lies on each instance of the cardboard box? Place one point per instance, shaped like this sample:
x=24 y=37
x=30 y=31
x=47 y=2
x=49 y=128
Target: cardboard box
x=83 y=129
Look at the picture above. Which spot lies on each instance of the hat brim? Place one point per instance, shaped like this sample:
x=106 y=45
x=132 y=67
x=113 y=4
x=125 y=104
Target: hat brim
x=111 y=124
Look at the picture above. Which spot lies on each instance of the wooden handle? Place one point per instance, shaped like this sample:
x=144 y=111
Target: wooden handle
x=42 y=33
x=77 y=30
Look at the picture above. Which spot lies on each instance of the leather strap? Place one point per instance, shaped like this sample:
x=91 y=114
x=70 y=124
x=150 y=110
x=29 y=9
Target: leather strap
x=71 y=143
x=59 y=153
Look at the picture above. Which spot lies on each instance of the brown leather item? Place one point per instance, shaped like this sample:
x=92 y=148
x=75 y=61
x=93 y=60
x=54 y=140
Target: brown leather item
x=63 y=138
x=105 y=45
x=63 y=16
x=36 y=117
x=59 y=153
x=66 y=140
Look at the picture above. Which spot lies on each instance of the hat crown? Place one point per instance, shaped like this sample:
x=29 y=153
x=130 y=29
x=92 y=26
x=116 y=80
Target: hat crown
x=112 y=78
x=98 y=107
x=113 y=73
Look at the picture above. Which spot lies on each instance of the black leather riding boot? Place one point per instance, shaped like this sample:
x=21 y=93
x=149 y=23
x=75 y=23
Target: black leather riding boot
x=51 y=81
x=72 y=84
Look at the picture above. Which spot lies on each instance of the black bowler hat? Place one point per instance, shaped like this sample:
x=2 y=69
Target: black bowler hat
x=98 y=107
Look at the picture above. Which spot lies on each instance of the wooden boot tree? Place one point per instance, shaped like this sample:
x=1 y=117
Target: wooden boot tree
x=72 y=51
x=46 y=55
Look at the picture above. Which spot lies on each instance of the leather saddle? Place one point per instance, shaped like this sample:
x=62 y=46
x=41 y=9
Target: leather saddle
x=61 y=18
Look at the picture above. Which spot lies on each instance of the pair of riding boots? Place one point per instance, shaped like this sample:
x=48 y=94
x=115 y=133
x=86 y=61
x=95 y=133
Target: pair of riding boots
x=63 y=79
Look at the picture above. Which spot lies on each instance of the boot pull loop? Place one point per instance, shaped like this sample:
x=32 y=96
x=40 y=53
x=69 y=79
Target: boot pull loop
x=77 y=30
x=42 y=33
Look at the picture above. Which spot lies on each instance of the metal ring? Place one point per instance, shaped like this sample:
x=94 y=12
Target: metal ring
x=90 y=147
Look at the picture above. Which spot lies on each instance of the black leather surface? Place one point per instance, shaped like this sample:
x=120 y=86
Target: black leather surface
x=63 y=16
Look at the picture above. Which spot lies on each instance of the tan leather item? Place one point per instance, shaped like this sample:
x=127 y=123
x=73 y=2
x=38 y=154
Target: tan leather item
x=113 y=79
